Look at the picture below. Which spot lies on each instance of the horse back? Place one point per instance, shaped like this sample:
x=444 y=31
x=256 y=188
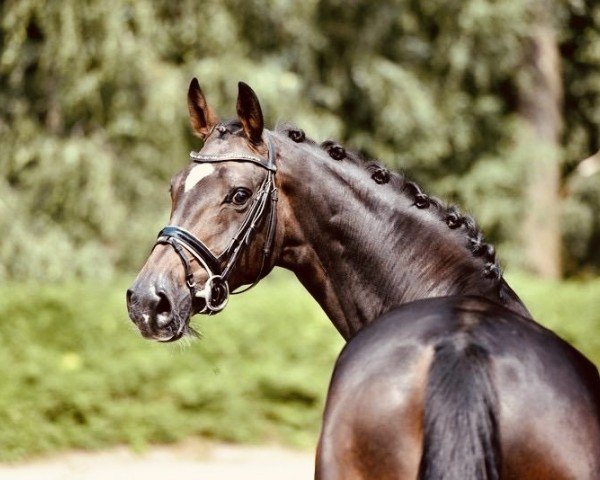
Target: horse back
x=543 y=399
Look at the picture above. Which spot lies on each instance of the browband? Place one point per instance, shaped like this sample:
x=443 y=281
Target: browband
x=269 y=164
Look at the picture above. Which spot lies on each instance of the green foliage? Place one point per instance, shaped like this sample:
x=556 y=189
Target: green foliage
x=581 y=224
x=569 y=308
x=93 y=116
x=74 y=372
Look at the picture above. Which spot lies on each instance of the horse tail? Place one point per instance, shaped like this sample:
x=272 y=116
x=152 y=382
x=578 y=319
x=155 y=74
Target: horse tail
x=461 y=437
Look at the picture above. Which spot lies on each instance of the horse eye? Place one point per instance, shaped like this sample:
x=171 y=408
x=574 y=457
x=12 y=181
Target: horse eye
x=240 y=196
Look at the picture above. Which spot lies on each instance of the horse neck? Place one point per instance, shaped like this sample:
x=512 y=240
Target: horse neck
x=361 y=248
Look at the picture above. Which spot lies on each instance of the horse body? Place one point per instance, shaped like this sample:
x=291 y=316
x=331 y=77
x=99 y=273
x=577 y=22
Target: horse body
x=445 y=374
x=414 y=371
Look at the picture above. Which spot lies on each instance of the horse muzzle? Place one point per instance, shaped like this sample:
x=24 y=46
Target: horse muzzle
x=158 y=313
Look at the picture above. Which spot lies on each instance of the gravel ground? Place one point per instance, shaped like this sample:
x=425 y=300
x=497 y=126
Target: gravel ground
x=188 y=461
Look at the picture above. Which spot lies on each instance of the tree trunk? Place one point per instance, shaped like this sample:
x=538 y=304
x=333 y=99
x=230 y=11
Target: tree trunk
x=540 y=97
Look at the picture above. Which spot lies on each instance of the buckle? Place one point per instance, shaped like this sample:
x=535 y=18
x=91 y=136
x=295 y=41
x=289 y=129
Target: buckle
x=215 y=293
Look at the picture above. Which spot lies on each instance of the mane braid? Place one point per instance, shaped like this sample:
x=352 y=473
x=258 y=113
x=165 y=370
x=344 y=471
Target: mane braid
x=294 y=133
x=449 y=214
x=334 y=149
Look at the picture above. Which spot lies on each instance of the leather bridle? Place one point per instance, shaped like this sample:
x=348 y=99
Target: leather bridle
x=216 y=289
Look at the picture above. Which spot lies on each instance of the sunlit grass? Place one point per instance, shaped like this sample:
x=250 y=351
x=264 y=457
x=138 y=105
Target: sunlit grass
x=570 y=308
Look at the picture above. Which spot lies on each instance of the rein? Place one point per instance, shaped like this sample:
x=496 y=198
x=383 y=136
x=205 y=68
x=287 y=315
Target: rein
x=216 y=289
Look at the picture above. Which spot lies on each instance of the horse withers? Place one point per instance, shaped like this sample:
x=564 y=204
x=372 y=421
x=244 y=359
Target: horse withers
x=445 y=374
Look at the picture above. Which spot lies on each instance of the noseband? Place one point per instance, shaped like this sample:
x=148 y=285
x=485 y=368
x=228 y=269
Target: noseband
x=216 y=289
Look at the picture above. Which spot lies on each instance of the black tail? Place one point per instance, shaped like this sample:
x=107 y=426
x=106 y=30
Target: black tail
x=461 y=424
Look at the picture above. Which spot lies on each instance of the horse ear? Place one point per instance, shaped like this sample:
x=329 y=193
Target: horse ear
x=250 y=114
x=202 y=117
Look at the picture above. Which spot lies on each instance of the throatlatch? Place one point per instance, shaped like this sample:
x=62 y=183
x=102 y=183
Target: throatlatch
x=216 y=289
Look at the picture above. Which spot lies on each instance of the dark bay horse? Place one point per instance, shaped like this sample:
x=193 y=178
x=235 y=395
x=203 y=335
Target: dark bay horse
x=445 y=374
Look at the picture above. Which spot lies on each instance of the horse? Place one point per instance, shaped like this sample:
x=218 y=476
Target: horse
x=445 y=374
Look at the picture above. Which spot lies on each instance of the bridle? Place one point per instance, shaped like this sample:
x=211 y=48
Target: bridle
x=216 y=289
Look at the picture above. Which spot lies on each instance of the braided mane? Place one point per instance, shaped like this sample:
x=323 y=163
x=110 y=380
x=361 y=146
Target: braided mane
x=449 y=214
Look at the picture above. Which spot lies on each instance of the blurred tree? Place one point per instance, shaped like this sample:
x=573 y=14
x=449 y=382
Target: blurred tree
x=93 y=118
x=540 y=102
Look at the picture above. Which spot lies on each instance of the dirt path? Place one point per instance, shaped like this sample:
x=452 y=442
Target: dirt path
x=188 y=461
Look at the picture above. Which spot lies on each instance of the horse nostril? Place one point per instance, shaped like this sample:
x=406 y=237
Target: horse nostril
x=129 y=296
x=163 y=307
x=130 y=301
x=163 y=311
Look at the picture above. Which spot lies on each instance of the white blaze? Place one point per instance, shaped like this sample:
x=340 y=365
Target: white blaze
x=198 y=173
